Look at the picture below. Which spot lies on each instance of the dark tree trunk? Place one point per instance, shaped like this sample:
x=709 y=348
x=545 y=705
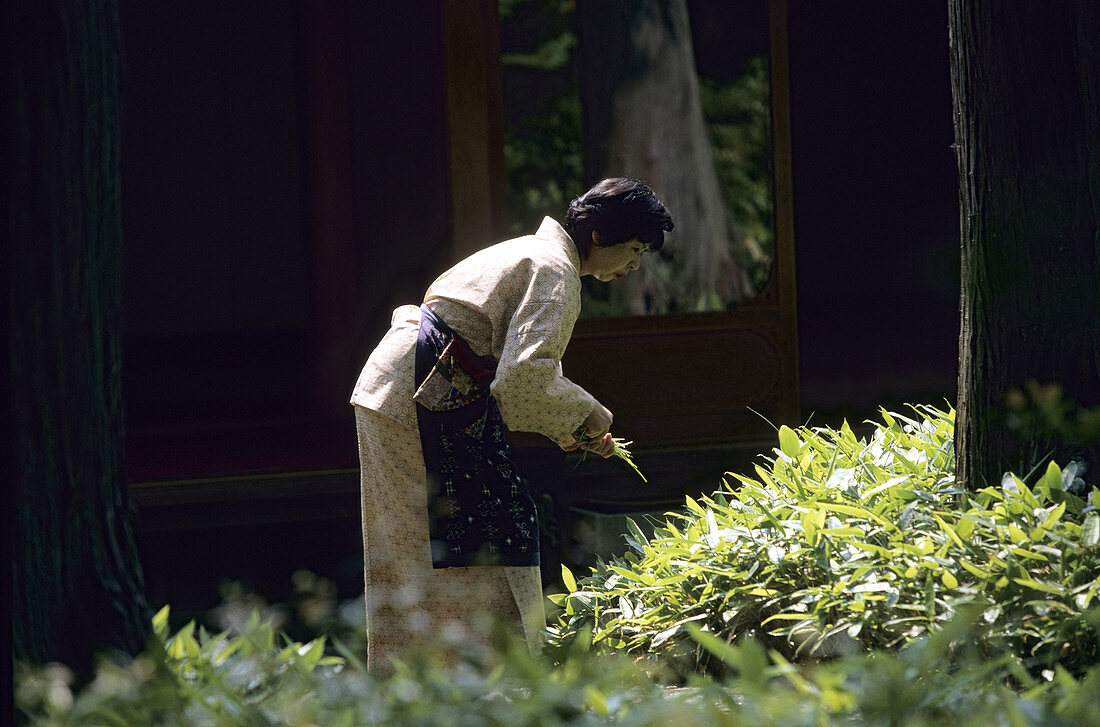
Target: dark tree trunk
x=1026 y=84
x=77 y=581
x=643 y=118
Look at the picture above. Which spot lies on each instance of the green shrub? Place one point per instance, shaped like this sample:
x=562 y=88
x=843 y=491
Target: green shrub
x=937 y=606
x=256 y=677
x=842 y=545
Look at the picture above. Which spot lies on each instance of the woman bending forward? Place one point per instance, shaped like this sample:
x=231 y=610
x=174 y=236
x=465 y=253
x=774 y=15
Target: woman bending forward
x=450 y=536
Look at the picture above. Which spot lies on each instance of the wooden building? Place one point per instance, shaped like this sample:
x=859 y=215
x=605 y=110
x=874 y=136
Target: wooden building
x=294 y=169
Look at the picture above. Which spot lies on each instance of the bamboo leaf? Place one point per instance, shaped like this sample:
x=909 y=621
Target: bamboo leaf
x=1083 y=600
x=788 y=442
x=964 y=527
x=312 y=652
x=623 y=453
x=871 y=587
x=666 y=634
x=810 y=527
x=785 y=617
x=568 y=579
x=1036 y=585
x=636 y=533
x=949 y=530
x=160 y=623
x=975 y=570
x=1090 y=531
x=1055 y=514
x=1053 y=477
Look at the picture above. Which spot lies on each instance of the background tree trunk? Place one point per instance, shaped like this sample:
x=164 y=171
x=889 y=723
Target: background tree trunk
x=77 y=581
x=1025 y=81
x=643 y=118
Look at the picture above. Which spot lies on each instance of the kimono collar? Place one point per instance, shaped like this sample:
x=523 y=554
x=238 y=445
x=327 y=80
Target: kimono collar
x=552 y=231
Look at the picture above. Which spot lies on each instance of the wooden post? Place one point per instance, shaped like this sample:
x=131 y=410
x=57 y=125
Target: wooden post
x=783 y=271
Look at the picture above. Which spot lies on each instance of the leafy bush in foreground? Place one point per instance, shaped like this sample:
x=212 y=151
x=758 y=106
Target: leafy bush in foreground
x=841 y=545
x=972 y=610
x=257 y=677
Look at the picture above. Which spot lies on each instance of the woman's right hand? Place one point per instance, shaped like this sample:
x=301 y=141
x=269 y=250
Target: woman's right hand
x=598 y=423
x=595 y=430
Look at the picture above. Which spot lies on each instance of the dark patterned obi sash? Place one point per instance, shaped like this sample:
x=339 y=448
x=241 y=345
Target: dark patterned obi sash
x=479 y=509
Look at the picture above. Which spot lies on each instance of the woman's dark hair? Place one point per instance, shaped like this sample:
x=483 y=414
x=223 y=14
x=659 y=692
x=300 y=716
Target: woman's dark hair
x=618 y=210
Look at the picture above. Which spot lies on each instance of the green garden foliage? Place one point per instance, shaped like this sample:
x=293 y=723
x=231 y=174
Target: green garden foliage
x=256 y=677
x=848 y=582
x=840 y=545
x=1041 y=411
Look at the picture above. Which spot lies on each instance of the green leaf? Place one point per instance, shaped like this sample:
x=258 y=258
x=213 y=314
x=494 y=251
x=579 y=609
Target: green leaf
x=632 y=575
x=871 y=587
x=665 y=635
x=788 y=442
x=1052 y=479
x=312 y=652
x=597 y=700
x=748 y=658
x=1055 y=514
x=1083 y=600
x=979 y=572
x=567 y=579
x=160 y=623
x=949 y=530
x=1016 y=534
x=1044 y=587
x=810 y=525
x=785 y=617
x=1090 y=531
x=712 y=524
x=623 y=453
x=183 y=644
x=636 y=533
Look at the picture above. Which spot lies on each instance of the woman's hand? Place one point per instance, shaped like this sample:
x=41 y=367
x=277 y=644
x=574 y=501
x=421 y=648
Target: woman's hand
x=598 y=423
x=597 y=439
x=603 y=446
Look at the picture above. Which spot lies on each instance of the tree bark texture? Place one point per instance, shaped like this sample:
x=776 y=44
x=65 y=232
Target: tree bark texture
x=1026 y=83
x=77 y=581
x=643 y=118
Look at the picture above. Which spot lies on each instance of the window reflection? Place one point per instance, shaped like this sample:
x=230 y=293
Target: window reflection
x=722 y=251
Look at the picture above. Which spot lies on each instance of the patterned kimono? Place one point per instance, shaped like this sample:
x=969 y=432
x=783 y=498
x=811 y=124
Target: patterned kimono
x=510 y=308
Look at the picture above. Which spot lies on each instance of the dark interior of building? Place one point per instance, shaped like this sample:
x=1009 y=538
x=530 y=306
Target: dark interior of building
x=286 y=184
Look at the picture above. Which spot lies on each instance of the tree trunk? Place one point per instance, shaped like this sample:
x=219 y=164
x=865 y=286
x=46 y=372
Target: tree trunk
x=77 y=581
x=643 y=118
x=1025 y=81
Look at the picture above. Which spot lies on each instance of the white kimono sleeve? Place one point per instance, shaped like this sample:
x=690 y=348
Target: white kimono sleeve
x=529 y=387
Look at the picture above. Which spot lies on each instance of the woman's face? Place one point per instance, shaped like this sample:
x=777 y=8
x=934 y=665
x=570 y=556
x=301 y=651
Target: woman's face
x=613 y=262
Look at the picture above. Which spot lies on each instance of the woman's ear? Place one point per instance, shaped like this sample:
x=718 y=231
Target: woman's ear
x=595 y=238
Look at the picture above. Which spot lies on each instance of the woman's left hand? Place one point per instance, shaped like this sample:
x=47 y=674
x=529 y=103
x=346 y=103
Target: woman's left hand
x=603 y=445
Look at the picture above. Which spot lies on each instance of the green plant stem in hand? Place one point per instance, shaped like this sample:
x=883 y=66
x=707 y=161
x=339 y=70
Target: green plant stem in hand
x=621 y=451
